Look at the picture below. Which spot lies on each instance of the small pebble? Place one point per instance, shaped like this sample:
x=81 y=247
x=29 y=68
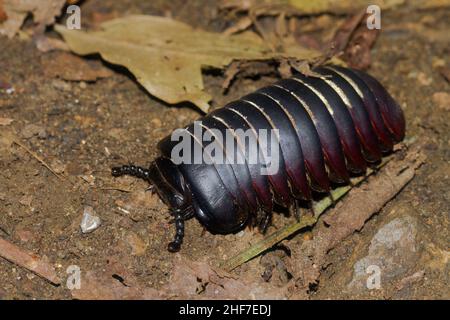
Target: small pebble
x=26 y=200
x=61 y=85
x=58 y=166
x=90 y=221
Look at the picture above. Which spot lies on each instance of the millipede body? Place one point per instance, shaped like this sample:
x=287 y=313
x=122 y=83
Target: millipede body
x=326 y=129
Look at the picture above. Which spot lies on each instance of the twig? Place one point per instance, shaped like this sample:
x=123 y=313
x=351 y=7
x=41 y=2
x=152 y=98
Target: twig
x=28 y=260
x=305 y=221
x=34 y=155
x=116 y=189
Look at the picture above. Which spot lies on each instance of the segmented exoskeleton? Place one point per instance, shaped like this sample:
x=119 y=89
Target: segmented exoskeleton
x=328 y=128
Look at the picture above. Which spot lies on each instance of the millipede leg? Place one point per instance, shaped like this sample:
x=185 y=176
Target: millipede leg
x=265 y=222
x=131 y=170
x=151 y=188
x=333 y=201
x=294 y=210
x=180 y=215
x=257 y=219
x=311 y=208
x=175 y=245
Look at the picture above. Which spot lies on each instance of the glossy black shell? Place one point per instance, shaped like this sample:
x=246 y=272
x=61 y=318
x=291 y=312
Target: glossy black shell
x=329 y=127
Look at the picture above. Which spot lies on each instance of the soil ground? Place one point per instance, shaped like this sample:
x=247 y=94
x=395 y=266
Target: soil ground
x=85 y=129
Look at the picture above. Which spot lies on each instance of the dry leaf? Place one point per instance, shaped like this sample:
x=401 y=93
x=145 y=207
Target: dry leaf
x=198 y=280
x=241 y=25
x=113 y=282
x=309 y=7
x=189 y=280
x=341 y=6
x=355 y=41
x=167 y=56
x=28 y=260
x=46 y=44
x=5 y=121
x=43 y=12
x=3 y=15
x=351 y=214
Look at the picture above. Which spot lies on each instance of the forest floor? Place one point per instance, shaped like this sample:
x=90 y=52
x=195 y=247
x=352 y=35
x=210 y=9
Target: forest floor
x=82 y=129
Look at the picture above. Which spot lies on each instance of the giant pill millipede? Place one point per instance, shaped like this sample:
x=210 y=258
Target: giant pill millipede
x=327 y=129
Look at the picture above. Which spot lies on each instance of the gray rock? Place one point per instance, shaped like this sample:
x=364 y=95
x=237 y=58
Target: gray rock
x=392 y=253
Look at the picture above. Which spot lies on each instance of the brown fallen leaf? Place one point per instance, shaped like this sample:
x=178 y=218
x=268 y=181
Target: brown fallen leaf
x=167 y=56
x=350 y=215
x=241 y=25
x=5 y=121
x=358 y=51
x=341 y=6
x=188 y=280
x=28 y=260
x=344 y=33
x=285 y=68
x=72 y=68
x=353 y=41
x=416 y=277
x=3 y=15
x=267 y=7
x=230 y=73
x=113 y=282
x=43 y=13
x=198 y=280
x=46 y=44
x=250 y=69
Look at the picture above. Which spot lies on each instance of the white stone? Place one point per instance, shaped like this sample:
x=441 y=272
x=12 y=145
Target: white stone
x=90 y=221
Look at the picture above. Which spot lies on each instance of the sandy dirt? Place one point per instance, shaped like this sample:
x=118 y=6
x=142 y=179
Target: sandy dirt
x=83 y=129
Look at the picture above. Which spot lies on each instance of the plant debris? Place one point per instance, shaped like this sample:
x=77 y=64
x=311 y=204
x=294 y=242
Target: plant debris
x=350 y=215
x=3 y=15
x=189 y=280
x=5 y=121
x=15 y=12
x=300 y=7
x=28 y=260
x=167 y=56
x=386 y=184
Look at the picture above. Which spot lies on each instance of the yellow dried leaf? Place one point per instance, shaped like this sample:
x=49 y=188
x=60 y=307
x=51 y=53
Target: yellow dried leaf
x=167 y=56
x=320 y=6
x=270 y=7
